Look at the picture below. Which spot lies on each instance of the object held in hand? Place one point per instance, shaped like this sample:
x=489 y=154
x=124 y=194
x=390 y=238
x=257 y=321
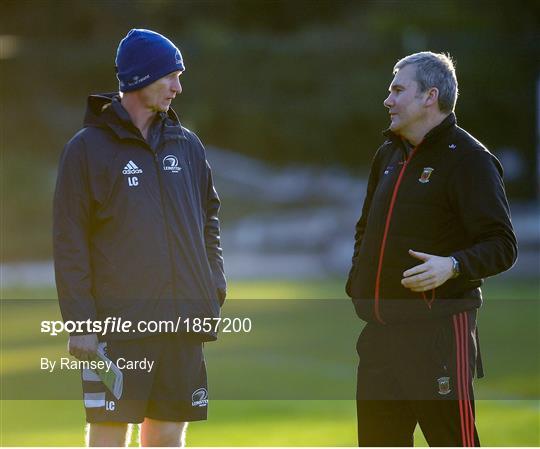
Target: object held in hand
x=113 y=377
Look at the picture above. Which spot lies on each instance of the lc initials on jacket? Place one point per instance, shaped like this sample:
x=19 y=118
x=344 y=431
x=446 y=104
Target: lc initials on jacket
x=136 y=231
x=446 y=198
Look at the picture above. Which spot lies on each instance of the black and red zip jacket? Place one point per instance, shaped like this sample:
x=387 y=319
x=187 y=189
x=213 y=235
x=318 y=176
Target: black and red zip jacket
x=447 y=198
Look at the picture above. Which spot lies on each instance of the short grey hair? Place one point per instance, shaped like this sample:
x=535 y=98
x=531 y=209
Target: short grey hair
x=434 y=70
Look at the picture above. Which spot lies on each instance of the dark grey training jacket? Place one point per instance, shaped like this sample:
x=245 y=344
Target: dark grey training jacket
x=136 y=231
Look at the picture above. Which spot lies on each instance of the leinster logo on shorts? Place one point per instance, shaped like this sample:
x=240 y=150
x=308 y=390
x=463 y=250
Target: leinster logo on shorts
x=444 y=385
x=199 y=398
x=424 y=177
x=170 y=163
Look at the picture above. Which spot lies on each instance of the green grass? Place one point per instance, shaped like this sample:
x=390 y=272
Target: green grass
x=261 y=423
x=494 y=289
x=296 y=370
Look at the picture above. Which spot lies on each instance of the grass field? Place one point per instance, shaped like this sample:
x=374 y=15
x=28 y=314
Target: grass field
x=290 y=382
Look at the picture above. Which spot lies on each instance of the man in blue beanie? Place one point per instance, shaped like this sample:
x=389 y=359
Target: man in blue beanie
x=137 y=243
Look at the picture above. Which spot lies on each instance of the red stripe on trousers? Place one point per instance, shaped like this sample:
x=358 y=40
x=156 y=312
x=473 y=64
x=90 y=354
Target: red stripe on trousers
x=458 y=371
x=464 y=386
x=461 y=329
x=467 y=383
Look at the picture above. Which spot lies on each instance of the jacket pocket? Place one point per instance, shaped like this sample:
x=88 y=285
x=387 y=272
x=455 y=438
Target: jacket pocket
x=442 y=346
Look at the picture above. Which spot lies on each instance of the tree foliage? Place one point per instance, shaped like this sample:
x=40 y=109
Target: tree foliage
x=286 y=81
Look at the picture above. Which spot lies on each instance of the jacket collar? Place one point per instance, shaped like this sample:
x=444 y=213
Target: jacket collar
x=105 y=110
x=433 y=135
x=172 y=128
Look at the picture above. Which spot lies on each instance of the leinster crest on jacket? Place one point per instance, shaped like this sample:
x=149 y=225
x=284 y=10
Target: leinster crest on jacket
x=424 y=177
x=444 y=385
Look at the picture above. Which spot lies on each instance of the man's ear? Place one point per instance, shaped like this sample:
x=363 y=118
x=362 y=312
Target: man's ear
x=432 y=96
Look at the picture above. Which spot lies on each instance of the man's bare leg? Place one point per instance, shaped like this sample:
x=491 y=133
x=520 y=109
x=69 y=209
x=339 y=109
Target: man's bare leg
x=155 y=433
x=107 y=434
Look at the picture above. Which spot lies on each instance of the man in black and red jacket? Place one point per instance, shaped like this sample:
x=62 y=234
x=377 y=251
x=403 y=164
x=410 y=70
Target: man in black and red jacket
x=434 y=223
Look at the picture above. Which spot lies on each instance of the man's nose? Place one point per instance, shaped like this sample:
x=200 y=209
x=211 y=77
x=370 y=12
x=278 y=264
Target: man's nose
x=389 y=101
x=177 y=87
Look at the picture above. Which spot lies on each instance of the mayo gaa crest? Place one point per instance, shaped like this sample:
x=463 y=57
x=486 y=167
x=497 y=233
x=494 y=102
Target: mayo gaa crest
x=444 y=385
x=424 y=177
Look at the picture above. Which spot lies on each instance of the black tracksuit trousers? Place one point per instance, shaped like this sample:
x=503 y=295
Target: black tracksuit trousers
x=418 y=373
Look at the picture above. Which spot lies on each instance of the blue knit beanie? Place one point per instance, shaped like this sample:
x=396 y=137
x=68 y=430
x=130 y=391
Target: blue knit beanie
x=143 y=57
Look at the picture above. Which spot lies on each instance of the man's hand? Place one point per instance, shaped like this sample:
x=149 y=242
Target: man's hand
x=435 y=271
x=83 y=347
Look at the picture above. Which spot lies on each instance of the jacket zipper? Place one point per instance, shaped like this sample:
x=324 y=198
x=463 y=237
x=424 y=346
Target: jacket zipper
x=385 y=234
x=166 y=224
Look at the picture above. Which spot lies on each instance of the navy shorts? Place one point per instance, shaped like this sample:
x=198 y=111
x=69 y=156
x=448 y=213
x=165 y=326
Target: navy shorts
x=164 y=378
